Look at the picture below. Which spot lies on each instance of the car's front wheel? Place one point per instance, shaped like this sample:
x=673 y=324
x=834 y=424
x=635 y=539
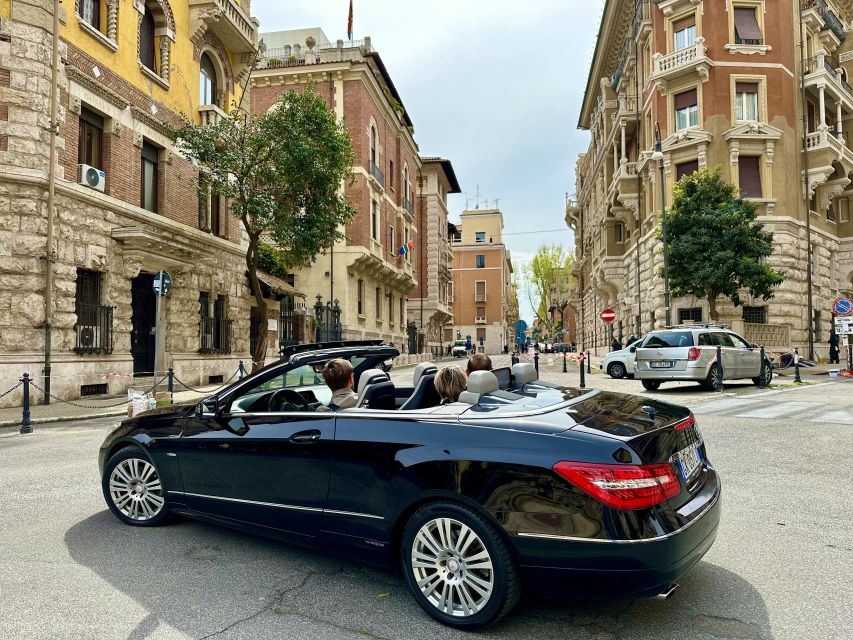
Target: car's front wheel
x=458 y=566
x=133 y=490
x=616 y=370
x=651 y=385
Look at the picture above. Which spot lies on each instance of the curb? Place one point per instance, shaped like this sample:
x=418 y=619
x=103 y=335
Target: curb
x=6 y=424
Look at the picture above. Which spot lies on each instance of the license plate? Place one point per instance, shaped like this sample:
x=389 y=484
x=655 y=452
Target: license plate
x=689 y=460
x=660 y=364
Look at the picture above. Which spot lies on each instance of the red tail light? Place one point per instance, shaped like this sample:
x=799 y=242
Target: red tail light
x=687 y=422
x=622 y=486
x=694 y=353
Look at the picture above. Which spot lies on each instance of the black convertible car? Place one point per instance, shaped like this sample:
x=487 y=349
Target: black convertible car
x=519 y=485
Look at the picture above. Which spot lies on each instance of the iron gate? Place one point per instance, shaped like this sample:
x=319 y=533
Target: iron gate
x=328 y=319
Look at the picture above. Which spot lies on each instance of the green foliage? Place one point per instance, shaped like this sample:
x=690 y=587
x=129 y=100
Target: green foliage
x=547 y=278
x=270 y=260
x=715 y=246
x=281 y=172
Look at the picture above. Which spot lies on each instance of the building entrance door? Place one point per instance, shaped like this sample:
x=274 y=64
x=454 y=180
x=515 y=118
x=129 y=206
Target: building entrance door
x=142 y=339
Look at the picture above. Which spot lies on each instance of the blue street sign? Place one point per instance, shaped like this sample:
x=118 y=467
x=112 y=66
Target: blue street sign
x=166 y=285
x=842 y=306
x=467 y=338
x=520 y=326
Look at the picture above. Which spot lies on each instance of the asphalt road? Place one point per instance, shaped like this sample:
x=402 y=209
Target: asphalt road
x=780 y=567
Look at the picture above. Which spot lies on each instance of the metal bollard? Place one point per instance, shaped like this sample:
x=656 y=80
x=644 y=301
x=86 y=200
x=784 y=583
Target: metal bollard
x=588 y=362
x=241 y=371
x=170 y=384
x=564 y=363
x=718 y=379
x=25 y=408
x=797 y=377
x=581 y=369
x=762 y=380
x=536 y=362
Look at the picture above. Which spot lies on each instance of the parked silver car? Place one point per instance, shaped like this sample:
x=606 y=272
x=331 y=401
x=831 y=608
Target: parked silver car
x=690 y=353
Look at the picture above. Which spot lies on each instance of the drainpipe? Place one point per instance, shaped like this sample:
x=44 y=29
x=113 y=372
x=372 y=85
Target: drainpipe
x=809 y=301
x=51 y=184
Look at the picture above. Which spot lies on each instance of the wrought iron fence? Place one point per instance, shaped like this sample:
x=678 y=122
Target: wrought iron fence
x=408 y=206
x=94 y=328
x=291 y=328
x=328 y=319
x=215 y=335
x=376 y=172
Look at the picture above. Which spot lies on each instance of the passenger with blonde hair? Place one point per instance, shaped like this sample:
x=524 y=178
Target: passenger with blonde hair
x=450 y=382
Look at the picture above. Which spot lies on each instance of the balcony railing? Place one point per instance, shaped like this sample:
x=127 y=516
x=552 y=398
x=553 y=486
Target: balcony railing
x=215 y=335
x=94 y=329
x=211 y=114
x=479 y=297
x=828 y=16
x=377 y=174
x=408 y=206
x=823 y=62
x=693 y=55
x=227 y=20
x=480 y=320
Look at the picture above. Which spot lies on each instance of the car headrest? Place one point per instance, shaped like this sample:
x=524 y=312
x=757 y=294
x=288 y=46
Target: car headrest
x=524 y=372
x=481 y=382
x=371 y=376
x=421 y=369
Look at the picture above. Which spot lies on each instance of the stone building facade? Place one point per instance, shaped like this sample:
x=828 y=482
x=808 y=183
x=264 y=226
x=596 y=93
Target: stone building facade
x=482 y=280
x=126 y=204
x=366 y=272
x=437 y=179
x=721 y=80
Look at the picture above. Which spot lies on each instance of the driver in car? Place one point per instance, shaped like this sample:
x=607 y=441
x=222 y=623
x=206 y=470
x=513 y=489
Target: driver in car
x=338 y=376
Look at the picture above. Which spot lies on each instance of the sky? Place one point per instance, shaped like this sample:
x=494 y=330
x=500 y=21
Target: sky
x=493 y=85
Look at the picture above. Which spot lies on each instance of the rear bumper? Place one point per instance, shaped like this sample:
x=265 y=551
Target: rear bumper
x=696 y=374
x=555 y=566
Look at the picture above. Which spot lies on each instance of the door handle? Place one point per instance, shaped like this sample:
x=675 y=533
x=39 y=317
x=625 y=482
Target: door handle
x=305 y=437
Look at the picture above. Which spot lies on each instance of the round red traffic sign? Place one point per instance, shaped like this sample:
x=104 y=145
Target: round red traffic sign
x=842 y=307
x=607 y=315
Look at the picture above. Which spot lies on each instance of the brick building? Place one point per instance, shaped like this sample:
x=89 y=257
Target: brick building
x=721 y=79
x=434 y=256
x=366 y=272
x=126 y=203
x=481 y=274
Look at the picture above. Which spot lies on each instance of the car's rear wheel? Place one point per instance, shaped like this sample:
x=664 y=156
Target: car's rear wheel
x=458 y=566
x=651 y=385
x=616 y=370
x=133 y=490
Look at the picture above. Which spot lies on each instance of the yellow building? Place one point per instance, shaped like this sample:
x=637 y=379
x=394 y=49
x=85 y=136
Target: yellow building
x=126 y=203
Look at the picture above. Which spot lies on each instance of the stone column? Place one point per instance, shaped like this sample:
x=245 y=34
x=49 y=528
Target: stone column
x=822 y=108
x=624 y=159
x=165 y=48
x=838 y=128
x=112 y=18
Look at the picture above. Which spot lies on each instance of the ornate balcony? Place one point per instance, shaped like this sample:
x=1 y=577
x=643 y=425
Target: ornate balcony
x=211 y=114
x=627 y=185
x=692 y=59
x=376 y=174
x=822 y=71
x=227 y=20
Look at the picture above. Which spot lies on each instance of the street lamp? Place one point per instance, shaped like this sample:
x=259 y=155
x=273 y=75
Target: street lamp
x=658 y=156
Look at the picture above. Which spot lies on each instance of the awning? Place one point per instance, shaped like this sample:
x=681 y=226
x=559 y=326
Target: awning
x=274 y=286
x=746 y=24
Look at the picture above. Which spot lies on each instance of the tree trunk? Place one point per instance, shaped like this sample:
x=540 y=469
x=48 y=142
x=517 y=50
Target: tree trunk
x=712 y=308
x=260 y=352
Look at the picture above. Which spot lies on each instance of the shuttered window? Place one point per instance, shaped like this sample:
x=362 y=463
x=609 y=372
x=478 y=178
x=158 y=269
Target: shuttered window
x=747 y=30
x=686 y=168
x=750 y=176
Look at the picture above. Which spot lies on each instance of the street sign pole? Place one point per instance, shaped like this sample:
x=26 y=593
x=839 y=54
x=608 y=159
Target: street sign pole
x=159 y=292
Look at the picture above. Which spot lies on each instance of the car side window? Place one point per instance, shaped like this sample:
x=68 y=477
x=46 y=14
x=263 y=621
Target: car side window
x=722 y=339
x=705 y=340
x=739 y=342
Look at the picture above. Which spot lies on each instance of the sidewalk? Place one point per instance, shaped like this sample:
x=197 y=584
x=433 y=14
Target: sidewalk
x=101 y=406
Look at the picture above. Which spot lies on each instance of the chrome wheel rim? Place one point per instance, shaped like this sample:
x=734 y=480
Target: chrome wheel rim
x=452 y=567
x=135 y=489
x=618 y=370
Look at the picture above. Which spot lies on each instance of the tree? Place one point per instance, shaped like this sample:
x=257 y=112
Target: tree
x=548 y=279
x=512 y=310
x=281 y=172
x=715 y=247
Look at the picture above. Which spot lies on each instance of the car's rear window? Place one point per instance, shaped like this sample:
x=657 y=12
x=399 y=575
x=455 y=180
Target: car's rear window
x=670 y=339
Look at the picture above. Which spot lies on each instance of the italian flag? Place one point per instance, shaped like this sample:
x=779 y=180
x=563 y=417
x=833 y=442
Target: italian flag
x=349 y=22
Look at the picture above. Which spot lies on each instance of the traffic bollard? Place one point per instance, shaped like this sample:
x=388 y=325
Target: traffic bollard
x=718 y=379
x=762 y=370
x=581 y=369
x=536 y=362
x=170 y=384
x=588 y=362
x=242 y=371
x=564 y=363
x=25 y=408
x=797 y=377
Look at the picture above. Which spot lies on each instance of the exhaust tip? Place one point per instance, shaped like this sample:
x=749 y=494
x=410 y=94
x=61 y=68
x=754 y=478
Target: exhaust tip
x=663 y=595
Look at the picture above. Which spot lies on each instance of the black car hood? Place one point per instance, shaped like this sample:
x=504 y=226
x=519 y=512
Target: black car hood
x=624 y=416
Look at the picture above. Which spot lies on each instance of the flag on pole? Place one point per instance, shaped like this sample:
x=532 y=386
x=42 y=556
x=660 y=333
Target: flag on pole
x=349 y=22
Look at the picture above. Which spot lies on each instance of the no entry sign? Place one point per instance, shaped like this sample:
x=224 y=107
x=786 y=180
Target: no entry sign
x=607 y=315
x=842 y=306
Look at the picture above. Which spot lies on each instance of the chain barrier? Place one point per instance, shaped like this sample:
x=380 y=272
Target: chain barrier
x=6 y=393
x=219 y=388
x=96 y=406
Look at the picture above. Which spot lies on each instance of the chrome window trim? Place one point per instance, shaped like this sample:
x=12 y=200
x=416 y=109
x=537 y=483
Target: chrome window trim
x=278 y=505
x=548 y=536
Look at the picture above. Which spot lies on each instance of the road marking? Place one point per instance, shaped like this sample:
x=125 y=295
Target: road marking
x=777 y=410
x=838 y=416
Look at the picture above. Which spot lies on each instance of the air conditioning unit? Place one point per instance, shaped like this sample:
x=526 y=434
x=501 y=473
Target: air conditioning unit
x=91 y=177
x=88 y=336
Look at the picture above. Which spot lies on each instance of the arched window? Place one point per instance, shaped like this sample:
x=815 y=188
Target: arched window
x=373 y=145
x=146 y=40
x=208 y=89
x=406 y=184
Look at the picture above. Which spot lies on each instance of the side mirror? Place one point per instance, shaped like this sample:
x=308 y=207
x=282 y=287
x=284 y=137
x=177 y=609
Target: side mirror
x=633 y=349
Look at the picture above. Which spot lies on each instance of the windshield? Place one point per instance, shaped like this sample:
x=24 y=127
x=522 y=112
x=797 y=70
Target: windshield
x=669 y=339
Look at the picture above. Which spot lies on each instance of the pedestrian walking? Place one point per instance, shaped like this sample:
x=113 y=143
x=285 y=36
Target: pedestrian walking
x=615 y=345
x=833 y=347
x=631 y=340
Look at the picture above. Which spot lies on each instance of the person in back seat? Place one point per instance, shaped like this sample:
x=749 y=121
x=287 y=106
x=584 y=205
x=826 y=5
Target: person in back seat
x=479 y=362
x=450 y=382
x=338 y=376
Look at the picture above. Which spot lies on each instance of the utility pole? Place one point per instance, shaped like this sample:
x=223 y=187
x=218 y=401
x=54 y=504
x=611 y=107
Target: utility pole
x=658 y=155
x=422 y=227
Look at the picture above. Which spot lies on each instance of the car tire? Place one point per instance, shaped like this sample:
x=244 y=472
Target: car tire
x=766 y=372
x=711 y=379
x=440 y=543
x=651 y=385
x=133 y=489
x=616 y=370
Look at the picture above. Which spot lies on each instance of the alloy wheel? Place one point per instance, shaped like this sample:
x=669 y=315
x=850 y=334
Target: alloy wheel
x=617 y=370
x=135 y=489
x=452 y=567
